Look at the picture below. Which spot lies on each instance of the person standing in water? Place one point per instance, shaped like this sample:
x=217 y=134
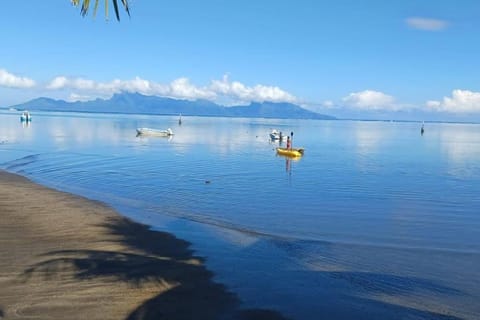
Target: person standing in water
x=289 y=143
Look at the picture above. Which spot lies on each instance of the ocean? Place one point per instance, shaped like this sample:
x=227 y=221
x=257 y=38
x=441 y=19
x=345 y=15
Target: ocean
x=375 y=221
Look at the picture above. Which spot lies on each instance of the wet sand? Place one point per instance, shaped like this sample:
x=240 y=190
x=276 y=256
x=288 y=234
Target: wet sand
x=66 y=257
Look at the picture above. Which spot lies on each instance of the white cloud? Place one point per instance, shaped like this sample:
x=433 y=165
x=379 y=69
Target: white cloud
x=461 y=101
x=433 y=104
x=181 y=88
x=10 y=80
x=426 y=24
x=77 y=83
x=58 y=83
x=238 y=91
x=328 y=104
x=135 y=85
x=370 y=100
x=78 y=97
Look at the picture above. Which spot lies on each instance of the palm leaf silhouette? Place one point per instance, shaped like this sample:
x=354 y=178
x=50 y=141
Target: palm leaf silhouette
x=86 y=5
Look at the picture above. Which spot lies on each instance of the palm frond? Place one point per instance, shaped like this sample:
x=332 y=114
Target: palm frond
x=125 y=5
x=106 y=9
x=95 y=8
x=115 y=6
x=86 y=5
x=84 y=9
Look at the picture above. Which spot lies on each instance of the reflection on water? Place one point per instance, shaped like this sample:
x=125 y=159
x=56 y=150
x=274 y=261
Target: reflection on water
x=26 y=124
x=370 y=137
x=289 y=162
x=373 y=214
x=288 y=165
x=460 y=144
x=370 y=166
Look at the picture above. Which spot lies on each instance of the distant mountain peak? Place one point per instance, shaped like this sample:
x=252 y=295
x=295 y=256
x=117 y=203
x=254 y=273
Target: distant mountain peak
x=137 y=103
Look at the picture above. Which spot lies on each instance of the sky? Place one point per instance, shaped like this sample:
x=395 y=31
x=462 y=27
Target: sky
x=412 y=59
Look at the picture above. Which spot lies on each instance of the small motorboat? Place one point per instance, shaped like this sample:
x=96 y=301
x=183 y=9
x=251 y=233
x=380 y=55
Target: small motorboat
x=25 y=117
x=293 y=152
x=154 y=132
x=276 y=135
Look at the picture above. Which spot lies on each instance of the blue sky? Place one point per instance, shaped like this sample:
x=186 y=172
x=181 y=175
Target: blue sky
x=372 y=57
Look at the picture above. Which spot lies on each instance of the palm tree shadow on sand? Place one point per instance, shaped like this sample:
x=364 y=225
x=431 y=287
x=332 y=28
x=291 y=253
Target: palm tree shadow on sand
x=153 y=256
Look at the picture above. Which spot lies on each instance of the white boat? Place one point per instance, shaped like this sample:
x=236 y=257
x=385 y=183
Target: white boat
x=155 y=132
x=25 y=116
x=276 y=135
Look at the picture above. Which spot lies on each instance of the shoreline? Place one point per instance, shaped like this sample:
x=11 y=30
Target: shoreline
x=68 y=257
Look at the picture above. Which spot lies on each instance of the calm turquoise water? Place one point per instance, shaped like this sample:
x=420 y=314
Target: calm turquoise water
x=374 y=222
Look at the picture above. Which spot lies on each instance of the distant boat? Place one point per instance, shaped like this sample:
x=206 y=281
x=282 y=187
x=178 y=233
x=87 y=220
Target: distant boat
x=293 y=152
x=276 y=135
x=155 y=132
x=25 y=116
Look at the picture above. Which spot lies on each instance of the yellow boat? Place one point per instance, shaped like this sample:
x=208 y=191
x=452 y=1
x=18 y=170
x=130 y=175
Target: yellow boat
x=294 y=152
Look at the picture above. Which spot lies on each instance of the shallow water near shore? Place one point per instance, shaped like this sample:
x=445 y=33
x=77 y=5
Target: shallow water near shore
x=376 y=221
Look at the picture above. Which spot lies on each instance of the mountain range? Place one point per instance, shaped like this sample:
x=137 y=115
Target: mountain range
x=136 y=103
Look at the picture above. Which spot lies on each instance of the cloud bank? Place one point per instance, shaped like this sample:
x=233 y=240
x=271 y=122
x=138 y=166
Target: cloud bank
x=461 y=101
x=227 y=92
x=12 y=81
x=426 y=24
x=180 y=88
x=238 y=91
x=370 y=100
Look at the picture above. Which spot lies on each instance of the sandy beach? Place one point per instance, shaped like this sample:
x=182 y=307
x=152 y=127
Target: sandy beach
x=66 y=257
